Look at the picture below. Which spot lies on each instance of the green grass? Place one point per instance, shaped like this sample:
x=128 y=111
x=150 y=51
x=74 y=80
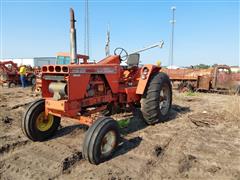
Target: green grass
x=189 y=93
x=123 y=122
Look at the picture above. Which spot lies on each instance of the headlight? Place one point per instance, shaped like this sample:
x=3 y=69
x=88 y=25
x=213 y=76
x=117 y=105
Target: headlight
x=143 y=76
x=144 y=73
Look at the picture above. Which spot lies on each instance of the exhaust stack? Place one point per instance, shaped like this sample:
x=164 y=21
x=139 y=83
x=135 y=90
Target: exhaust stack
x=73 y=43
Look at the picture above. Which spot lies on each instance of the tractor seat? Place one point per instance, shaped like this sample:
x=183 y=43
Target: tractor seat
x=133 y=60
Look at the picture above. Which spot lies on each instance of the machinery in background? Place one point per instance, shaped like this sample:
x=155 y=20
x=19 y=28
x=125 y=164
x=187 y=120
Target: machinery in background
x=216 y=79
x=9 y=74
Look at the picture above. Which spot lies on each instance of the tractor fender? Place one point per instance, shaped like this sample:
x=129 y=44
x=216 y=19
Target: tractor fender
x=146 y=72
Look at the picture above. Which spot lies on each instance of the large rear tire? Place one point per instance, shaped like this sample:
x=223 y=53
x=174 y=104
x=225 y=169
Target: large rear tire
x=34 y=124
x=101 y=140
x=156 y=101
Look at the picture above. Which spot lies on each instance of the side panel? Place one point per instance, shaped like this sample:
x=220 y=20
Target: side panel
x=113 y=81
x=77 y=86
x=111 y=72
x=142 y=83
x=203 y=82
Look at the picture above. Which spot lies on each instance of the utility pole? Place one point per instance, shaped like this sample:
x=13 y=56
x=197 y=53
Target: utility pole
x=173 y=21
x=86 y=29
x=107 y=47
x=1 y=29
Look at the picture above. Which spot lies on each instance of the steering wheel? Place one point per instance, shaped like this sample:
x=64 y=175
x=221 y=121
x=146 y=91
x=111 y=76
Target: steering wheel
x=122 y=53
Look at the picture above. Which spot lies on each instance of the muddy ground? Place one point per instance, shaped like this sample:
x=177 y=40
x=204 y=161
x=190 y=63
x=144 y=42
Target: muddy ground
x=201 y=140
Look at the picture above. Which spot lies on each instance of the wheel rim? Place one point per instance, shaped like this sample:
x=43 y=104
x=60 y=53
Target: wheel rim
x=42 y=123
x=164 y=99
x=12 y=85
x=38 y=90
x=108 y=142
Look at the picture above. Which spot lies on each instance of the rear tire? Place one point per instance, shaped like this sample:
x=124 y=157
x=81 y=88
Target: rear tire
x=101 y=140
x=156 y=101
x=34 y=124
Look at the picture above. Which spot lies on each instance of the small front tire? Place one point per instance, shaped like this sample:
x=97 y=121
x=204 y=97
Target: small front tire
x=34 y=124
x=11 y=85
x=101 y=140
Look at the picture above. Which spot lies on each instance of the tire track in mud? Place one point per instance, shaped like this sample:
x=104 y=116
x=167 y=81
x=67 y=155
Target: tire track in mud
x=38 y=160
x=159 y=153
x=11 y=146
x=68 y=164
x=21 y=158
x=20 y=105
x=24 y=159
x=70 y=161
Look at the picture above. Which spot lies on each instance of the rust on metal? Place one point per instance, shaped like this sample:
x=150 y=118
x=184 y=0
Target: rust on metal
x=215 y=78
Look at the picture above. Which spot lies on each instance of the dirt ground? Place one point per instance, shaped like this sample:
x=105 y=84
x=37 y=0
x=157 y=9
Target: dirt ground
x=201 y=140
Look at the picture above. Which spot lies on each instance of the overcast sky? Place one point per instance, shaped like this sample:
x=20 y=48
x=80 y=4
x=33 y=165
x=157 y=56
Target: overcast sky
x=205 y=32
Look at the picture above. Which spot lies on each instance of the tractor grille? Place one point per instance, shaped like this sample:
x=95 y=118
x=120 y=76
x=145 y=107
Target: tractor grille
x=55 y=69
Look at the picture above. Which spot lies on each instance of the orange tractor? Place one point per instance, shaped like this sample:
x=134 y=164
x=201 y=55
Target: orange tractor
x=81 y=89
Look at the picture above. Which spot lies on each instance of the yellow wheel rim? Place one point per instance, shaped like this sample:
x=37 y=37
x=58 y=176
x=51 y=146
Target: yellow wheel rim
x=42 y=123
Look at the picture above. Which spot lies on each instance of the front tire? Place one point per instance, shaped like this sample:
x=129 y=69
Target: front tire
x=156 y=101
x=34 y=124
x=33 y=81
x=237 y=92
x=101 y=140
x=11 y=85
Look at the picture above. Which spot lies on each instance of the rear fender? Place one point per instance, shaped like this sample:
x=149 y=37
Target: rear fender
x=142 y=83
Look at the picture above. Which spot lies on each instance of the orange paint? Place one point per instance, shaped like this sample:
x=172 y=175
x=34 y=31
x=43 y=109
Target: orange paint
x=91 y=87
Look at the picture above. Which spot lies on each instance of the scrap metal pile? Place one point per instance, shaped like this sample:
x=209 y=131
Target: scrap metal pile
x=218 y=79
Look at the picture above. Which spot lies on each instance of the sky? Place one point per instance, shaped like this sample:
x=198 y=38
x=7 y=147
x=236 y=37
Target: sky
x=206 y=32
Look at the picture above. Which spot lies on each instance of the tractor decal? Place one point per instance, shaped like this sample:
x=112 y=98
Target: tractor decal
x=104 y=70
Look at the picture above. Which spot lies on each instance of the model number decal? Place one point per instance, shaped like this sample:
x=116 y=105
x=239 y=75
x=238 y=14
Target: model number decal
x=104 y=70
